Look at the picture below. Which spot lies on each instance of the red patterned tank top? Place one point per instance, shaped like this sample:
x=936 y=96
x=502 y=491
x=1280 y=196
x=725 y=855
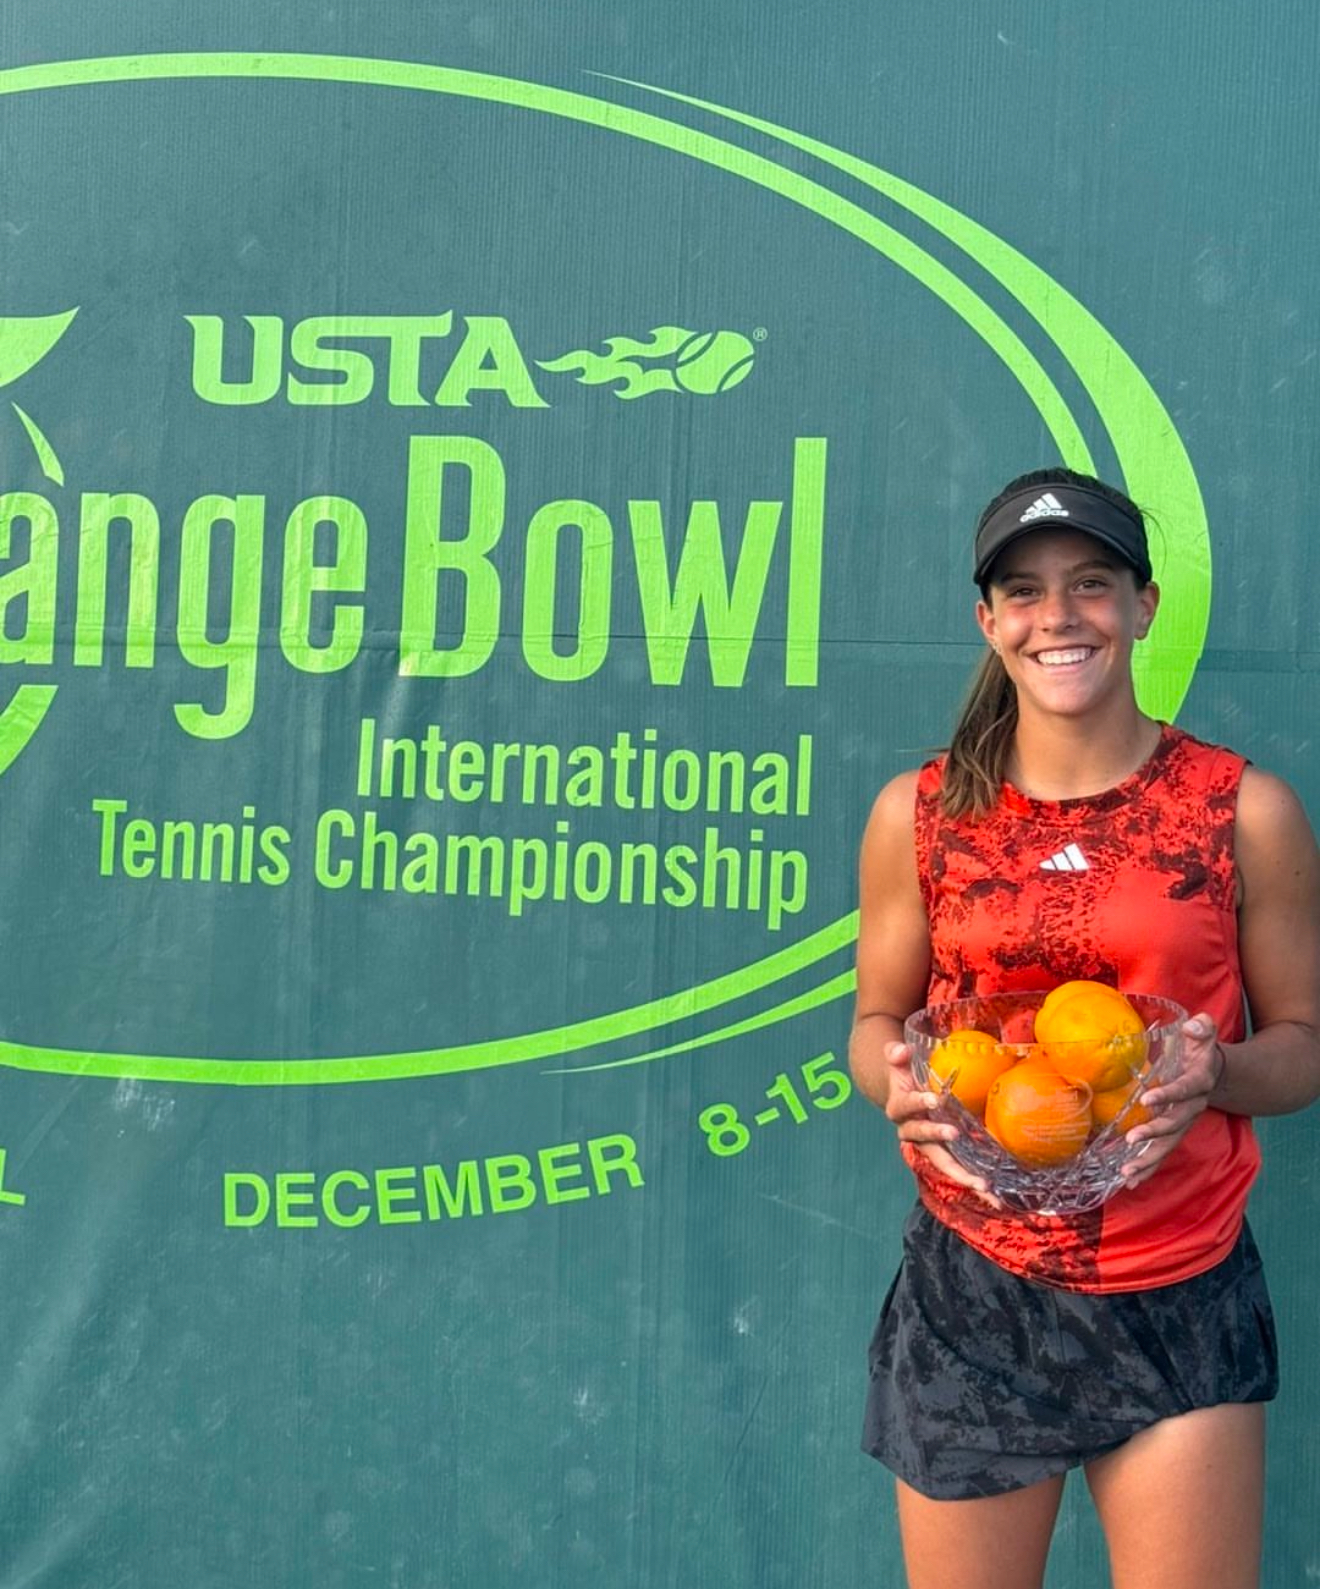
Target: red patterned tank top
x=1135 y=887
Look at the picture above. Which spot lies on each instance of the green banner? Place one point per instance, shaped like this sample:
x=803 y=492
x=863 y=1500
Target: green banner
x=482 y=510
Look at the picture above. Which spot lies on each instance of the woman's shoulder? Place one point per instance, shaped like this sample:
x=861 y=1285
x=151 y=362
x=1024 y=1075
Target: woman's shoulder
x=1269 y=810
x=1278 y=898
x=888 y=847
x=902 y=821
x=897 y=801
x=894 y=806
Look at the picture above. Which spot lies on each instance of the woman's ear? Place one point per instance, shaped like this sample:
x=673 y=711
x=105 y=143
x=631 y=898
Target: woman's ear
x=985 y=619
x=1148 y=601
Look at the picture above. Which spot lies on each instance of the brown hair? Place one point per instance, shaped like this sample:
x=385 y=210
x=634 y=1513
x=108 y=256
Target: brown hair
x=978 y=753
x=977 y=762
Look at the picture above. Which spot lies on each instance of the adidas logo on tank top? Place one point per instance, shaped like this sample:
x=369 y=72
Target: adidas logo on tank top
x=1068 y=859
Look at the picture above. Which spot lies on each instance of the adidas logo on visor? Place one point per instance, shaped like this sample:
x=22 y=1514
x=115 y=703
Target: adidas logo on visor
x=1068 y=859
x=1046 y=507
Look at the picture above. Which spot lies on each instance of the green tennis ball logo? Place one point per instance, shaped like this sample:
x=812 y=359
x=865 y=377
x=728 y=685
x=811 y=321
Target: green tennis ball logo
x=713 y=361
x=667 y=359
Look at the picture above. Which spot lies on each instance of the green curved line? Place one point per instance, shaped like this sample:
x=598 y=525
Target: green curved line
x=821 y=201
x=1155 y=464
x=441 y=1061
x=809 y=195
x=22 y=718
x=26 y=339
x=50 y=464
x=826 y=993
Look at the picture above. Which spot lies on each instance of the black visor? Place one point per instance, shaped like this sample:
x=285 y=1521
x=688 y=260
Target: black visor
x=1062 y=508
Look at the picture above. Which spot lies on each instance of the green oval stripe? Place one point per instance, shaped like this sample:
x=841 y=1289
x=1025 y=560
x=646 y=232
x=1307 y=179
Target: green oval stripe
x=610 y=117
x=1155 y=465
x=809 y=195
x=22 y=718
x=836 y=988
x=442 y=1061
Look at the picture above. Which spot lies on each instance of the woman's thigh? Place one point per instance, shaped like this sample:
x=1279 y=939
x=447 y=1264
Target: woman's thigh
x=992 y=1542
x=1181 y=1503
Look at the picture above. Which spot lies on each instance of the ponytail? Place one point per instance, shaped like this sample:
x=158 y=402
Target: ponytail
x=977 y=763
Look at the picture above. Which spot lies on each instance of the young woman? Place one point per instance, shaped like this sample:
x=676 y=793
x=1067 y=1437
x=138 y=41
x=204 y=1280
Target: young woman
x=1134 y=1341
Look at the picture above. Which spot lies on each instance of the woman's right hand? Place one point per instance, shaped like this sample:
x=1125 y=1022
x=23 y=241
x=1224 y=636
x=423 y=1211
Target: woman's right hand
x=909 y=1107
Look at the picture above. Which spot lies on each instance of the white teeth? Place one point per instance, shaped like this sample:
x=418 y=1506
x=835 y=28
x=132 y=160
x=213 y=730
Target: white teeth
x=1058 y=659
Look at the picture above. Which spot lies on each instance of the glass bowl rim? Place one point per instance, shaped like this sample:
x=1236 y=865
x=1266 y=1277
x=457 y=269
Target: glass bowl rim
x=913 y=1034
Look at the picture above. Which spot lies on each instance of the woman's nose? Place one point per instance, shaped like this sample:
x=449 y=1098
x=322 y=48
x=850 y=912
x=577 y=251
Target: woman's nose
x=1057 y=610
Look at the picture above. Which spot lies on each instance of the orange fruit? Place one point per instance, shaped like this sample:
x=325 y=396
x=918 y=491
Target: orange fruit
x=1107 y=1106
x=1038 y=1115
x=1066 y=990
x=1090 y=1033
x=967 y=1062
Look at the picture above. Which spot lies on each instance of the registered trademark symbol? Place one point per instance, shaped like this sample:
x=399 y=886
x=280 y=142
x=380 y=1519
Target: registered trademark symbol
x=760 y=334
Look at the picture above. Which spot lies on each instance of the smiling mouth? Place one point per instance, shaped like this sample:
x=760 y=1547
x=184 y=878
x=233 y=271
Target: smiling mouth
x=1063 y=659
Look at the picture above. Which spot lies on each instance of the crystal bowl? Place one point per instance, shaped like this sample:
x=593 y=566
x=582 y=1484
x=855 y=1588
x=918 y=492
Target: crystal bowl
x=1093 y=1173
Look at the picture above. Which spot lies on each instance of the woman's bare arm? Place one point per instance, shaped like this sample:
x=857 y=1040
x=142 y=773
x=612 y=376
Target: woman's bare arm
x=1277 y=1069
x=893 y=970
x=893 y=940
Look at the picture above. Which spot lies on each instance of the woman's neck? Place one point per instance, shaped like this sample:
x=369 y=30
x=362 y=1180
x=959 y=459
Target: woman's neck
x=1066 y=759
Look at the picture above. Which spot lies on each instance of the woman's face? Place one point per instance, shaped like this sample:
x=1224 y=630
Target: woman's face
x=1064 y=613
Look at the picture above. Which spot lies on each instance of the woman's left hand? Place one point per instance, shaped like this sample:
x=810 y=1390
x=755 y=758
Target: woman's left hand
x=1176 y=1104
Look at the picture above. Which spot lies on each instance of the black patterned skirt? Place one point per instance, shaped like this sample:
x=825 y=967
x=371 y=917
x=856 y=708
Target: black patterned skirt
x=983 y=1382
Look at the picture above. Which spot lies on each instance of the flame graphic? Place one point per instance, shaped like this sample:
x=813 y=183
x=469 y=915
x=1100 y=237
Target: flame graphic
x=702 y=362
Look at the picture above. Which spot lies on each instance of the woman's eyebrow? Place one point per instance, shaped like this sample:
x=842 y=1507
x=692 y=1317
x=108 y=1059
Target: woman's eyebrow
x=1076 y=568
